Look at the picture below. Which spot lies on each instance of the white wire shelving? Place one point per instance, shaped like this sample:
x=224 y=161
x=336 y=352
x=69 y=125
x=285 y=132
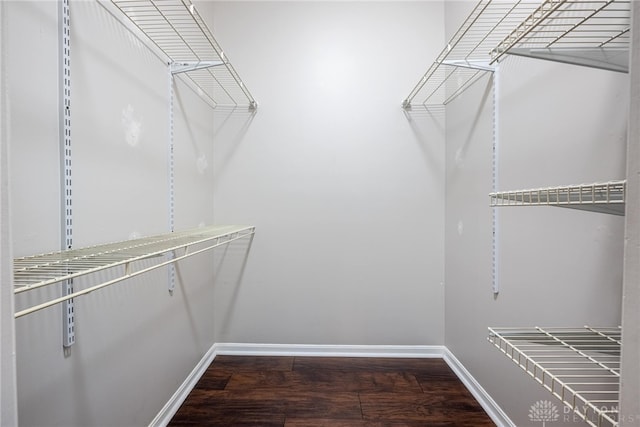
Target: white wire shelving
x=579 y=366
x=608 y=197
x=176 y=28
x=585 y=32
x=594 y=33
x=39 y=271
x=466 y=57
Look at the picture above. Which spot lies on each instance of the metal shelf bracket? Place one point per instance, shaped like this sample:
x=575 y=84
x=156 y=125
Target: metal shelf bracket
x=178 y=67
x=472 y=65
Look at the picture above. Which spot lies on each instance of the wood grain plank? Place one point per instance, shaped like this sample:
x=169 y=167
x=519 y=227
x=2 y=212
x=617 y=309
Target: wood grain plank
x=314 y=404
x=226 y=423
x=268 y=404
x=426 y=407
x=326 y=381
x=215 y=407
x=322 y=422
x=439 y=373
x=213 y=379
x=371 y=364
x=320 y=391
x=448 y=389
x=252 y=363
x=328 y=422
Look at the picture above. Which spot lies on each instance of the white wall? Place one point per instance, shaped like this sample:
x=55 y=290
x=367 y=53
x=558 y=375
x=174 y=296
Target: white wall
x=559 y=124
x=8 y=398
x=345 y=193
x=630 y=385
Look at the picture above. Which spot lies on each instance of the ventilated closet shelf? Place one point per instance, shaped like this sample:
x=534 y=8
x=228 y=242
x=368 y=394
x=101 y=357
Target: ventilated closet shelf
x=580 y=366
x=584 y=32
x=466 y=57
x=606 y=197
x=593 y=33
x=34 y=272
x=176 y=28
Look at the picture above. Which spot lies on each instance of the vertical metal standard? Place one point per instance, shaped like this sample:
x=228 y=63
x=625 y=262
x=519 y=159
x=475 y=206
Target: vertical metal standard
x=494 y=183
x=172 y=268
x=68 y=312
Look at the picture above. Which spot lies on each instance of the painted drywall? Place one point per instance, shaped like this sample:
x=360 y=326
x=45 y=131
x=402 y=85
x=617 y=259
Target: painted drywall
x=630 y=383
x=8 y=393
x=558 y=124
x=345 y=190
x=135 y=343
x=32 y=96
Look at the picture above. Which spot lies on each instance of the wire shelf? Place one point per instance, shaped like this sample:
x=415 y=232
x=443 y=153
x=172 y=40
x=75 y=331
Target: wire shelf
x=586 y=32
x=176 y=28
x=579 y=366
x=467 y=55
x=34 y=272
x=606 y=197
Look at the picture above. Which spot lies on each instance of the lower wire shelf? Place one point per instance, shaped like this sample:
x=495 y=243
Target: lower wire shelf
x=35 y=272
x=580 y=366
x=608 y=197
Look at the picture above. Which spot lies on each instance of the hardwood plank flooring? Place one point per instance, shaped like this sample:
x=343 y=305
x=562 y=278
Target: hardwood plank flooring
x=329 y=391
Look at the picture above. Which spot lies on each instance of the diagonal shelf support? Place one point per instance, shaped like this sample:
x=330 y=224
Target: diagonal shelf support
x=472 y=65
x=178 y=67
x=605 y=59
x=592 y=33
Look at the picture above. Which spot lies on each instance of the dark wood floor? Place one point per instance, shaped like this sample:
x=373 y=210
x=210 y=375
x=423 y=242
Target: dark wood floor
x=336 y=392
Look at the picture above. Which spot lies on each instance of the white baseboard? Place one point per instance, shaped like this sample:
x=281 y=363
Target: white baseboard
x=171 y=407
x=237 y=349
x=492 y=409
x=419 y=351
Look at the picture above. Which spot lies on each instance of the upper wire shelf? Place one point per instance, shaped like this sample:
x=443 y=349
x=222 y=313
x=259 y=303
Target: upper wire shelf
x=608 y=197
x=35 y=272
x=580 y=366
x=585 y=32
x=594 y=33
x=467 y=55
x=176 y=29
